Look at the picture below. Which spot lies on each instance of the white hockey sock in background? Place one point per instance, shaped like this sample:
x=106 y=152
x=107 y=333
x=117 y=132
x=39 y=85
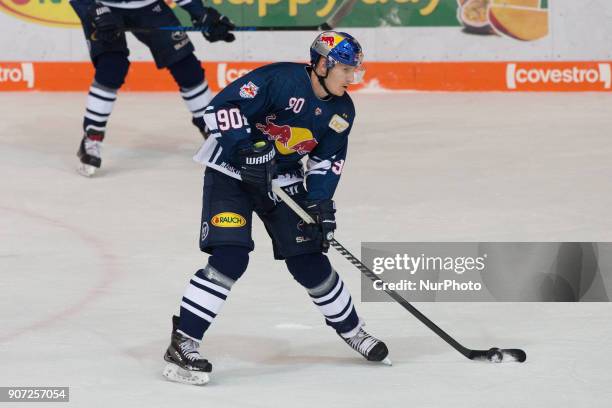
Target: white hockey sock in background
x=197 y=99
x=100 y=102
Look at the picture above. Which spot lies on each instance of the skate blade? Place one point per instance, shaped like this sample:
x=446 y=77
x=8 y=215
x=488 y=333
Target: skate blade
x=86 y=170
x=175 y=373
x=387 y=361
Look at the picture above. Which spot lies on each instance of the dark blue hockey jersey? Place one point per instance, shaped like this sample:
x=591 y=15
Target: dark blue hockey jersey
x=277 y=102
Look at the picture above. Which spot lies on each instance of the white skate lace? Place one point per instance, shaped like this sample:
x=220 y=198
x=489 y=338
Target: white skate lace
x=93 y=147
x=190 y=350
x=362 y=342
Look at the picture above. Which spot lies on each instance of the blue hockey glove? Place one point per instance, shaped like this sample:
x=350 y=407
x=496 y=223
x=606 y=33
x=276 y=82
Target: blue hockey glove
x=256 y=163
x=215 y=26
x=107 y=26
x=323 y=213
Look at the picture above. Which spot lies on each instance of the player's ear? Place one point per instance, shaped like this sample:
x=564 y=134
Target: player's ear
x=320 y=67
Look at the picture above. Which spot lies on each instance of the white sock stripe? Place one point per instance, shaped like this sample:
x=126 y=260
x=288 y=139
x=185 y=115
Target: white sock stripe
x=338 y=305
x=344 y=315
x=199 y=102
x=101 y=119
x=99 y=105
x=102 y=92
x=205 y=299
x=93 y=112
x=211 y=285
x=196 y=312
x=191 y=92
x=99 y=128
x=188 y=336
x=330 y=295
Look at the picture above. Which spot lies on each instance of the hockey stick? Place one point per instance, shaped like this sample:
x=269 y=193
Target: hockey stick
x=494 y=354
x=196 y=29
x=342 y=11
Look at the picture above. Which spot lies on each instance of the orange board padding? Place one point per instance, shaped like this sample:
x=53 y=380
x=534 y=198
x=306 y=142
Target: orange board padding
x=570 y=76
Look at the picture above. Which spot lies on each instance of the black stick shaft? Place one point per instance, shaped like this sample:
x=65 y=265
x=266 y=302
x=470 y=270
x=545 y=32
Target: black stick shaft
x=403 y=302
x=196 y=29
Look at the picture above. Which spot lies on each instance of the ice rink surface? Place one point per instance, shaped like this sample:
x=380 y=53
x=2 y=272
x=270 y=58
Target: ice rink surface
x=92 y=269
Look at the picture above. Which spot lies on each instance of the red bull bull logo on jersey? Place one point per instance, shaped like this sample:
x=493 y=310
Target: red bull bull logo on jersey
x=287 y=139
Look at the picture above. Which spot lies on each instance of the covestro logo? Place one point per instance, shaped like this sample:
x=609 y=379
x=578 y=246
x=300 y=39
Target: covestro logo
x=558 y=76
x=227 y=75
x=14 y=76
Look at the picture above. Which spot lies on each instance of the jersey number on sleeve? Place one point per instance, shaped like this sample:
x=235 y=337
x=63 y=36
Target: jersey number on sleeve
x=230 y=118
x=337 y=167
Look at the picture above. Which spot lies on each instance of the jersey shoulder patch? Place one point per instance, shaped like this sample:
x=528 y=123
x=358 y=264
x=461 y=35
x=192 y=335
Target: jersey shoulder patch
x=338 y=124
x=249 y=90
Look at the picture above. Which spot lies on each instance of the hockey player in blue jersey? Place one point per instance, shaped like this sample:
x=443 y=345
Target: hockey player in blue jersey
x=261 y=126
x=104 y=22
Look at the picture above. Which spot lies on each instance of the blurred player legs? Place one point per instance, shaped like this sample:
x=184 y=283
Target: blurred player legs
x=103 y=25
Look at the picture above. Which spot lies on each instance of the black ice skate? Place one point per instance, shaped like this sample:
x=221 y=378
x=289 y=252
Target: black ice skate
x=90 y=152
x=368 y=346
x=185 y=364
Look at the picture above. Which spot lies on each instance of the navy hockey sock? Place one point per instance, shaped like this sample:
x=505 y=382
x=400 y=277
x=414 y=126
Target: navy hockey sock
x=209 y=288
x=326 y=289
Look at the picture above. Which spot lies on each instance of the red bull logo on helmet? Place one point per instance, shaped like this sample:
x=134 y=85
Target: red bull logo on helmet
x=329 y=40
x=287 y=139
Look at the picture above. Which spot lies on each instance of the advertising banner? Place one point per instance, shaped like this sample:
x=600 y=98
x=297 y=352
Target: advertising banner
x=418 y=45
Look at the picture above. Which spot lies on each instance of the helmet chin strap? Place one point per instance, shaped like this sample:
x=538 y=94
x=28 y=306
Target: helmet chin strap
x=322 y=81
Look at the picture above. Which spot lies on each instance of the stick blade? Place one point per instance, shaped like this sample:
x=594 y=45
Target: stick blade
x=507 y=355
x=517 y=355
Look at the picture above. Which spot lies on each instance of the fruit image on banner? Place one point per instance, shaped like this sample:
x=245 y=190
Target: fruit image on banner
x=525 y=20
x=55 y=13
x=473 y=15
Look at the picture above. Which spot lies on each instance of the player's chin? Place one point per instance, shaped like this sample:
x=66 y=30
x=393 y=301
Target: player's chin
x=340 y=90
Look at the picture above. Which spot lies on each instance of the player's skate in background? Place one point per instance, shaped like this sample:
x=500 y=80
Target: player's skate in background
x=104 y=23
x=261 y=126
